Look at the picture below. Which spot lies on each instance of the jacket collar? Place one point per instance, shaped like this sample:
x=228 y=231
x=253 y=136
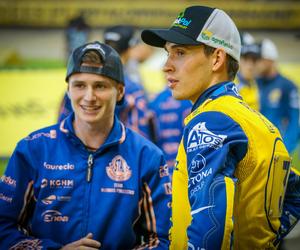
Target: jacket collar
x=116 y=136
x=220 y=89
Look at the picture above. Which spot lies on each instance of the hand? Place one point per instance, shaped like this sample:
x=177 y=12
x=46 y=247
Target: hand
x=85 y=243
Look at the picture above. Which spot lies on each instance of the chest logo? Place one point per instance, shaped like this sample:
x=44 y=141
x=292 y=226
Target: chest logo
x=118 y=169
x=201 y=137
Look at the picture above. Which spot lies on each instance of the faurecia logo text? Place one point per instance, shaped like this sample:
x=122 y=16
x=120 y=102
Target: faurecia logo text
x=201 y=137
x=8 y=180
x=181 y=21
x=67 y=166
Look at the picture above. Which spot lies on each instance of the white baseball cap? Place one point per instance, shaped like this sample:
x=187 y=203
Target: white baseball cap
x=268 y=50
x=199 y=25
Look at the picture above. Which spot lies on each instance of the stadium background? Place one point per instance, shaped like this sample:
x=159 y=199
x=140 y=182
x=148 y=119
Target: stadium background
x=33 y=49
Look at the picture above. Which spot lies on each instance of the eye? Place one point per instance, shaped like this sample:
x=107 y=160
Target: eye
x=100 y=86
x=79 y=85
x=180 y=52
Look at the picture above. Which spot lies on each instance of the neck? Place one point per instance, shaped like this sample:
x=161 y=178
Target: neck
x=92 y=135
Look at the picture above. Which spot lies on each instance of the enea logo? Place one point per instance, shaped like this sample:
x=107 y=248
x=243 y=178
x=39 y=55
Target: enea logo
x=206 y=35
x=118 y=169
x=54 y=216
x=201 y=137
x=181 y=21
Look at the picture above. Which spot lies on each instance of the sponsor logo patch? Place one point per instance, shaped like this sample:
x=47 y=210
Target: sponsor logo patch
x=8 y=181
x=197 y=164
x=5 y=198
x=118 y=169
x=67 y=166
x=51 y=198
x=50 y=216
x=59 y=183
x=201 y=137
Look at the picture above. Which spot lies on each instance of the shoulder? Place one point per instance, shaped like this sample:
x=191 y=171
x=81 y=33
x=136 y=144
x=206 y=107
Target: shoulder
x=44 y=134
x=139 y=143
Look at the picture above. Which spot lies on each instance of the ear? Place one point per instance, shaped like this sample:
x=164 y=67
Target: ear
x=121 y=91
x=219 y=60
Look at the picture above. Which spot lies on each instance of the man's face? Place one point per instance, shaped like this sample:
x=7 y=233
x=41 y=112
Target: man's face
x=93 y=97
x=248 y=66
x=264 y=67
x=188 y=71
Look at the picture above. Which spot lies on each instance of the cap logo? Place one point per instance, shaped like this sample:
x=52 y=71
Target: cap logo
x=181 y=21
x=113 y=36
x=206 y=35
x=94 y=46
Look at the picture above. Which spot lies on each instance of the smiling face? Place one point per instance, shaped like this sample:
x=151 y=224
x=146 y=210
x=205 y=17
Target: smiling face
x=188 y=71
x=94 y=98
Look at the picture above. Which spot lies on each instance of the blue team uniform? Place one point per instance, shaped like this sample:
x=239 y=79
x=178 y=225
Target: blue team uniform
x=168 y=115
x=54 y=191
x=279 y=103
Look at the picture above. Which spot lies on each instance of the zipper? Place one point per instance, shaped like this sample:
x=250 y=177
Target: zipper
x=89 y=168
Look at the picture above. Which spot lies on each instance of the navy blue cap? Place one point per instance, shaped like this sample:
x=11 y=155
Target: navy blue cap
x=111 y=63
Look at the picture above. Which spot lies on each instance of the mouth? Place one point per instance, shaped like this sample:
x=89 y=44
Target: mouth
x=172 y=82
x=90 y=109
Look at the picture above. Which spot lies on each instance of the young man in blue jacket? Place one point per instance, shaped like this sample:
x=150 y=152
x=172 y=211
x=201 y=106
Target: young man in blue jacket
x=88 y=182
x=233 y=187
x=279 y=97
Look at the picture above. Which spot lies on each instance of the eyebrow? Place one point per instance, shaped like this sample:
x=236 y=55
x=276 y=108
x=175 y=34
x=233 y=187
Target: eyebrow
x=174 y=46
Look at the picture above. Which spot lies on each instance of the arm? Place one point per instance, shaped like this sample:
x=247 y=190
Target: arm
x=17 y=204
x=154 y=223
x=213 y=150
x=291 y=206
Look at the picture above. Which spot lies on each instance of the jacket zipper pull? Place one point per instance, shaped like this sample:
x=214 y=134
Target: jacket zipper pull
x=89 y=168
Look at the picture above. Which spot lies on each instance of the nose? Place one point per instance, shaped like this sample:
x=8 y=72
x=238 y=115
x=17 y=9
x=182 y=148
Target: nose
x=169 y=66
x=90 y=94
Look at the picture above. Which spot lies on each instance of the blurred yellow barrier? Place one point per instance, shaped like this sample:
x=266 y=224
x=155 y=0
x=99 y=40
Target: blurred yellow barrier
x=29 y=100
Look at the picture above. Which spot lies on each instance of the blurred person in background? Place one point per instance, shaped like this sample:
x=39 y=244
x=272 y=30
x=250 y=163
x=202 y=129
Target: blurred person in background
x=168 y=118
x=77 y=34
x=232 y=168
x=88 y=182
x=279 y=97
x=246 y=76
x=134 y=112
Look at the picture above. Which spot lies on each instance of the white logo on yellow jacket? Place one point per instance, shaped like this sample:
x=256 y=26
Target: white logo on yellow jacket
x=201 y=137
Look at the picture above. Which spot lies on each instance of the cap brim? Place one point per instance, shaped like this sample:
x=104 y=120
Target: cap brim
x=159 y=37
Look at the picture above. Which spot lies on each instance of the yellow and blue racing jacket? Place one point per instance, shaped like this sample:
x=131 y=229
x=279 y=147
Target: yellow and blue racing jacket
x=54 y=191
x=230 y=179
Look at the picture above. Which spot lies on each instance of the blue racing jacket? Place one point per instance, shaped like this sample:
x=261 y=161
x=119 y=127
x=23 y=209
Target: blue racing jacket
x=168 y=115
x=279 y=103
x=54 y=191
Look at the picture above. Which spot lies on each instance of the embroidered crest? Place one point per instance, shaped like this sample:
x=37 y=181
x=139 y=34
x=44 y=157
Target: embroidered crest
x=118 y=169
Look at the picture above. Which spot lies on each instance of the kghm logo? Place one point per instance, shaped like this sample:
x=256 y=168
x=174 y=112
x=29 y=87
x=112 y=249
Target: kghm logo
x=181 y=21
x=206 y=35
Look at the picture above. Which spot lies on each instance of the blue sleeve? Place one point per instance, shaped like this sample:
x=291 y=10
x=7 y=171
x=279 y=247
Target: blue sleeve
x=156 y=202
x=214 y=144
x=290 y=137
x=17 y=203
x=291 y=206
